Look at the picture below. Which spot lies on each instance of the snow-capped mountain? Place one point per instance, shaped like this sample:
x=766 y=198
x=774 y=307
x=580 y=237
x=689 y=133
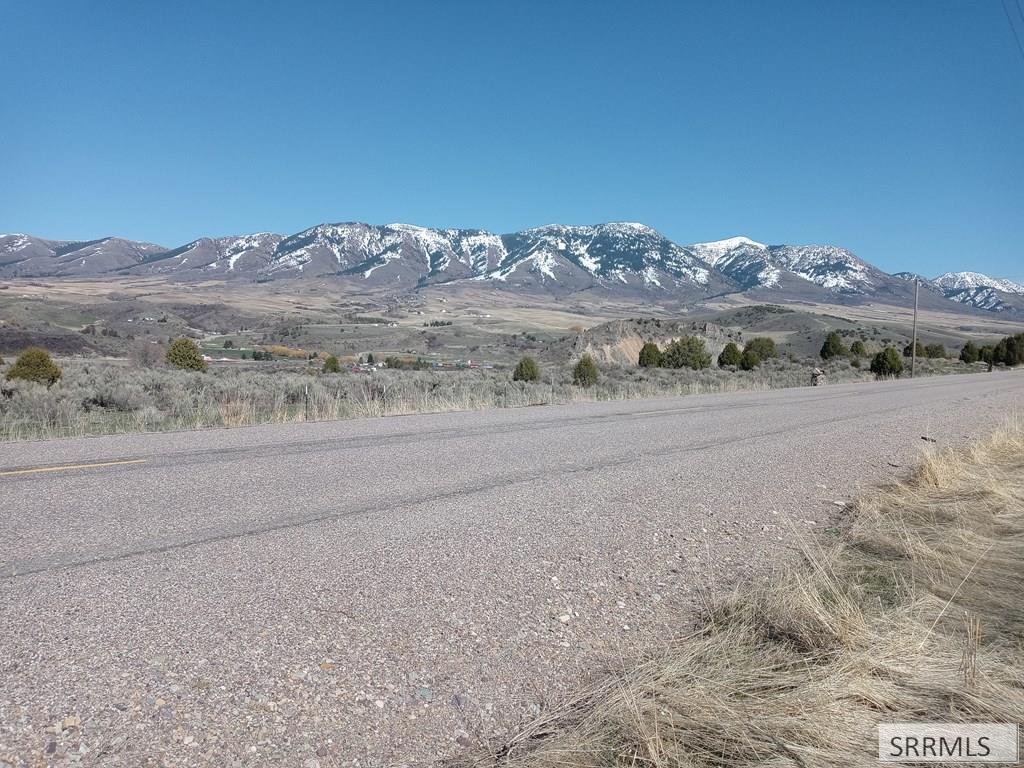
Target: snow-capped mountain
x=754 y=265
x=974 y=289
x=620 y=252
x=225 y=255
x=22 y=254
x=994 y=294
x=617 y=257
x=399 y=252
x=553 y=257
x=981 y=297
x=971 y=280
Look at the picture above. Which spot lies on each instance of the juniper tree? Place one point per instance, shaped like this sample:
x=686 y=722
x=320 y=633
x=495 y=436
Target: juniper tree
x=763 y=347
x=833 y=346
x=687 y=352
x=887 y=363
x=730 y=356
x=650 y=355
x=585 y=373
x=35 y=364
x=526 y=370
x=184 y=353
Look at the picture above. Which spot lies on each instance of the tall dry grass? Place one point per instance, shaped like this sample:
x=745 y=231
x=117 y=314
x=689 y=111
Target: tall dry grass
x=917 y=615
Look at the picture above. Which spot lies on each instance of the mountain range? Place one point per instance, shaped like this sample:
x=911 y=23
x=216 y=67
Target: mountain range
x=617 y=257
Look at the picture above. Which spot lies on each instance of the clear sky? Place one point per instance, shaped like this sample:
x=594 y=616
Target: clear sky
x=893 y=128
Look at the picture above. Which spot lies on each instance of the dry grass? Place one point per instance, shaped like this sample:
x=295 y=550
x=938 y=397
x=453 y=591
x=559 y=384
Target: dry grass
x=917 y=615
x=96 y=397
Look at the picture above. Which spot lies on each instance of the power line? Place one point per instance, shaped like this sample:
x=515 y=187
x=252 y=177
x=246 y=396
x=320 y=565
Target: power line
x=1020 y=10
x=1013 y=29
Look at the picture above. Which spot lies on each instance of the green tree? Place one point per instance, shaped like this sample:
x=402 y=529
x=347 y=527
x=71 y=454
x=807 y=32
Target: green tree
x=888 y=362
x=1009 y=351
x=763 y=347
x=184 y=353
x=585 y=373
x=857 y=349
x=229 y=344
x=970 y=353
x=833 y=346
x=687 y=352
x=526 y=370
x=35 y=364
x=331 y=365
x=749 y=360
x=369 y=359
x=909 y=348
x=650 y=355
x=935 y=351
x=730 y=356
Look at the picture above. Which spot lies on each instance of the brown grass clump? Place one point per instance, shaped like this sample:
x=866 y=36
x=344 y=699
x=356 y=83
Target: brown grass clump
x=917 y=615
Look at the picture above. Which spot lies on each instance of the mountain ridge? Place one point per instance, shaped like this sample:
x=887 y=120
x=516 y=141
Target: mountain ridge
x=613 y=257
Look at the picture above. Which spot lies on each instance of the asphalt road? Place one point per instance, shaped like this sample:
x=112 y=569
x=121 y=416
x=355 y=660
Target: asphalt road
x=384 y=592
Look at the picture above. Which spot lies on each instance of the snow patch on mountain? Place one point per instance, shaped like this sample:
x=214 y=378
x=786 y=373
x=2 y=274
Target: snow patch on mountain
x=972 y=280
x=718 y=249
x=18 y=242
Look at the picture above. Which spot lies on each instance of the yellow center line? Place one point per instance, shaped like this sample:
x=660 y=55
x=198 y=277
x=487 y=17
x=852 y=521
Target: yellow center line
x=60 y=467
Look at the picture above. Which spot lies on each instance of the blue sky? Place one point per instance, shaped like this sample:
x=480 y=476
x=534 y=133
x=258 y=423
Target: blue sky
x=895 y=129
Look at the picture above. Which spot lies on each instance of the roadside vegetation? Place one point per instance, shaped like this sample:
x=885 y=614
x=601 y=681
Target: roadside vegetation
x=176 y=388
x=915 y=614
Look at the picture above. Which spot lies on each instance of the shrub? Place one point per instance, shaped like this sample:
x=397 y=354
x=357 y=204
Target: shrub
x=229 y=344
x=970 y=353
x=650 y=356
x=887 y=363
x=749 y=360
x=184 y=353
x=687 y=352
x=909 y=348
x=935 y=351
x=585 y=373
x=730 y=356
x=331 y=365
x=1009 y=351
x=833 y=346
x=526 y=370
x=763 y=347
x=35 y=364
x=857 y=349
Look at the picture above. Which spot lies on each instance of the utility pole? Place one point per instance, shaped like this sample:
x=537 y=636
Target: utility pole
x=913 y=348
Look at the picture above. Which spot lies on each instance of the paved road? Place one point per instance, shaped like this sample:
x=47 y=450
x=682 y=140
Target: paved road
x=381 y=592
